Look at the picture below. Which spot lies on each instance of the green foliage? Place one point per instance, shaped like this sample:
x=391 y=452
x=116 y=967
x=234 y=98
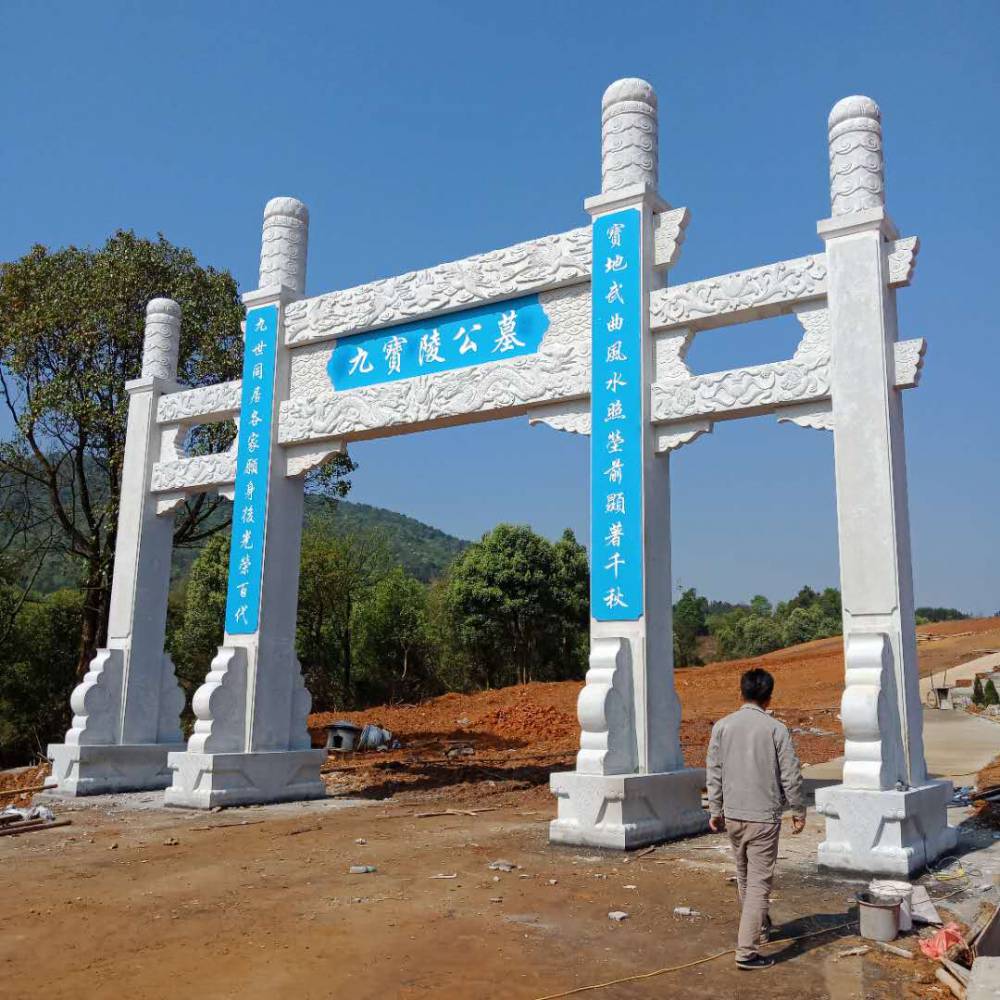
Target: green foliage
x=940 y=614
x=978 y=694
x=690 y=622
x=195 y=624
x=37 y=671
x=71 y=336
x=990 y=694
x=757 y=629
x=512 y=602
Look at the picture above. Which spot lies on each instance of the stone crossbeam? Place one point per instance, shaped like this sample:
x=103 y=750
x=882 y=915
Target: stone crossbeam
x=762 y=292
x=205 y=404
x=534 y=266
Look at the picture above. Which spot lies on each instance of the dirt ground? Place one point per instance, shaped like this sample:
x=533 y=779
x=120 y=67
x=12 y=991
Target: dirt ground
x=134 y=901
x=150 y=904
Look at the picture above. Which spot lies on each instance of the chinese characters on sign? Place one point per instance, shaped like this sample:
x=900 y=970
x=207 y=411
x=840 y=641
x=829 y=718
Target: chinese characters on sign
x=495 y=332
x=616 y=581
x=246 y=551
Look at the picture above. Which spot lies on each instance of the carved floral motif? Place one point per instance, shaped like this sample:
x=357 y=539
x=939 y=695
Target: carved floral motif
x=200 y=405
x=191 y=473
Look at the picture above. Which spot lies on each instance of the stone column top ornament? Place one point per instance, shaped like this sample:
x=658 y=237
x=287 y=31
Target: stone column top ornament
x=856 y=169
x=284 y=242
x=629 y=135
x=162 y=339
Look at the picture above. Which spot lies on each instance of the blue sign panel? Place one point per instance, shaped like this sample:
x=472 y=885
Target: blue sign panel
x=459 y=340
x=616 y=581
x=253 y=462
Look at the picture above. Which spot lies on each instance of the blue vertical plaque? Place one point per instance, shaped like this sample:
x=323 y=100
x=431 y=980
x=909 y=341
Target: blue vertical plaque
x=616 y=545
x=253 y=466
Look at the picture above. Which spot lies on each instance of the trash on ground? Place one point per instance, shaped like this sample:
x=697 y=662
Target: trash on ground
x=860 y=950
x=685 y=911
x=363 y=869
x=618 y=916
x=939 y=942
x=502 y=865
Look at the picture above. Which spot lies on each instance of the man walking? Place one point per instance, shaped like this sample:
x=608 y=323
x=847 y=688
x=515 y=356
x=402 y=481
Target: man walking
x=753 y=773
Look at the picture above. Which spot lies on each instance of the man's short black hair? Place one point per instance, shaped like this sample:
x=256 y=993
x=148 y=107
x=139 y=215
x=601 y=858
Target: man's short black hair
x=756 y=685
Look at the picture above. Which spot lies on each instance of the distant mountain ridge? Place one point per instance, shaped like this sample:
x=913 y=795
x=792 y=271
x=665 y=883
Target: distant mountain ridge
x=423 y=551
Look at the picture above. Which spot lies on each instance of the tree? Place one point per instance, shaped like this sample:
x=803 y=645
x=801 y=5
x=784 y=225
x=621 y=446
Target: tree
x=505 y=605
x=689 y=623
x=392 y=638
x=71 y=335
x=336 y=575
x=978 y=695
x=572 y=601
x=990 y=694
x=194 y=640
x=37 y=670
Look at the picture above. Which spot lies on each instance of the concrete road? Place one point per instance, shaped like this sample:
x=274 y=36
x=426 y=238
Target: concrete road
x=956 y=746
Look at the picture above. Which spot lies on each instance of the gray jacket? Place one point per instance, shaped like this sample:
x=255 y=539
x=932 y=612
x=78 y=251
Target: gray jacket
x=753 y=771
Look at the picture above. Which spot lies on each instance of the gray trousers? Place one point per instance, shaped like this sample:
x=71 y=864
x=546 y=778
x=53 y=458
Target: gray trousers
x=755 y=846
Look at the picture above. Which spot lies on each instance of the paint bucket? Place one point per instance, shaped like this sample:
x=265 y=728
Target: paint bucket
x=887 y=887
x=879 y=916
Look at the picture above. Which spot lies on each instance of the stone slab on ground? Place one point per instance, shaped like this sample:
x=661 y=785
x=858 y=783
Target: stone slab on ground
x=984 y=983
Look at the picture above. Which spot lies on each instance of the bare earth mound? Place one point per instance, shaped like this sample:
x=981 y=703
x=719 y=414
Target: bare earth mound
x=517 y=735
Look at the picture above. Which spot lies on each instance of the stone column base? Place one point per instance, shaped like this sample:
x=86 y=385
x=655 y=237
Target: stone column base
x=100 y=769
x=885 y=832
x=205 y=780
x=627 y=810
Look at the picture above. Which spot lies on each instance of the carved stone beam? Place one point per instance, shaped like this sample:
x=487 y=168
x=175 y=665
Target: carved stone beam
x=205 y=405
x=793 y=388
x=535 y=266
x=762 y=292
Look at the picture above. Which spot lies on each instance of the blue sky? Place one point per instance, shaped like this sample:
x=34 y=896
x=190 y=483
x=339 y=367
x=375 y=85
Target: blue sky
x=418 y=133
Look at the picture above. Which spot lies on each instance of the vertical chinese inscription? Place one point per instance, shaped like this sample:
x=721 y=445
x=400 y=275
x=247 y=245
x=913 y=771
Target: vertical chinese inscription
x=616 y=579
x=246 y=551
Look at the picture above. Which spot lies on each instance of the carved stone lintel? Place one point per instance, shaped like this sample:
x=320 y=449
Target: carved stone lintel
x=573 y=416
x=197 y=474
x=300 y=459
x=818 y=415
x=909 y=358
x=96 y=701
x=203 y=405
x=549 y=262
x=761 y=292
x=668 y=235
x=670 y=437
x=902 y=258
x=607 y=734
x=220 y=704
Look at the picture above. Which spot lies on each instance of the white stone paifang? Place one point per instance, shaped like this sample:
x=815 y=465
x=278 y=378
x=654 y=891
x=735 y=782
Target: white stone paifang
x=201 y=405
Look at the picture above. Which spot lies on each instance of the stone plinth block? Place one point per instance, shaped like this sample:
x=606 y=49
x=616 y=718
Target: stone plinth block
x=95 y=769
x=204 y=780
x=627 y=810
x=885 y=832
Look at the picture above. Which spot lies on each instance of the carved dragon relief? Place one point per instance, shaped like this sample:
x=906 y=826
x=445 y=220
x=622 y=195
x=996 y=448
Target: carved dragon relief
x=559 y=371
x=762 y=292
x=537 y=265
x=201 y=405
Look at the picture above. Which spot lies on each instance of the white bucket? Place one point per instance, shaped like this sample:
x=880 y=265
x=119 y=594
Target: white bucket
x=887 y=887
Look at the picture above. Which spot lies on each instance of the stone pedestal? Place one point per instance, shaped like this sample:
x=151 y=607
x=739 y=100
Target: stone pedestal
x=206 y=780
x=885 y=832
x=106 y=768
x=626 y=811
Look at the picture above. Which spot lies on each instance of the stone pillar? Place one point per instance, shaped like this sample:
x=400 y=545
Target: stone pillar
x=250 y=743
x=886 y=816
x=127 y=709
x=630 y=786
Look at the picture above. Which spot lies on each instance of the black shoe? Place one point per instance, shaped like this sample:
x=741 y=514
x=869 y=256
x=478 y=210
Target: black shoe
x=754 y=962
